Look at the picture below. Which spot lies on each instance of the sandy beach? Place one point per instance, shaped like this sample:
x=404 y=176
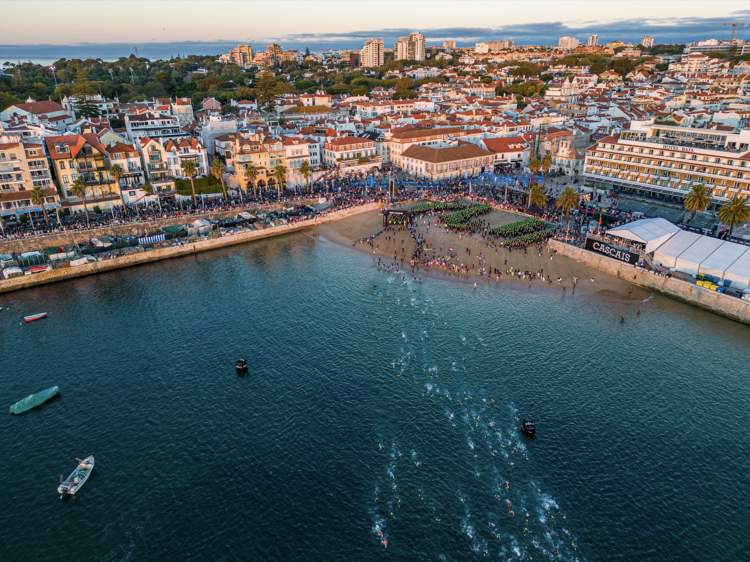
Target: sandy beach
x=349 y=231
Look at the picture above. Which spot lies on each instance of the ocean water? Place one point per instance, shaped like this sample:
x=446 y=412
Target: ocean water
x=379 y=418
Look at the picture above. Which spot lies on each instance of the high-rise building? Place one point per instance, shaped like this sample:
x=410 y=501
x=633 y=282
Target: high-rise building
x=410 y=48
x=568 y=43
x=449 y=45
x=274 y=50
x=491 y=46
x=593 y=40
x=372 y=54
x=647 y=41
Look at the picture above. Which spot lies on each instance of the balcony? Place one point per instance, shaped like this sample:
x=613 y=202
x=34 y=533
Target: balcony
x=157 y=167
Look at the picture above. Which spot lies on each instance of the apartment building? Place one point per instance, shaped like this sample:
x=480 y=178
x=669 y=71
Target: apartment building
x=647 y=41
x=23 y=167
x=274 y=51
x=352 y=154
x=262 y=152
x=241 y=55
x=155 y=161
x=667 y=160
x=593 y=40
x=372 y=54
x=442 y=162
x=296 y=152
x=411 y=47
x=153 y=125
x=568 y=43
x=181 y=151
x=491 y=46
x=85 y=157
x=133 y=178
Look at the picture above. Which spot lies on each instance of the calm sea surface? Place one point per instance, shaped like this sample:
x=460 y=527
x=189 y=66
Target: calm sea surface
x=369 y=414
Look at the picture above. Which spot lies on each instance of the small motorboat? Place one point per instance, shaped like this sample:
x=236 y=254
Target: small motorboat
x=77 y=478
x=35 y=317
x=528 y=427
x=34 y=400
x=241 y=365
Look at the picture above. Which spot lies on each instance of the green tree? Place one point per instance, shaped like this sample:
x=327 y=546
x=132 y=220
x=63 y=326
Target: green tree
x=698 y=199
x=305 y=169
x=597 y=68
x=41 y=90
x=734 y=212
x=265 y=93
x=217 y=171
x=6 y=100
x=404 y=83
x=546 y=164
x=538 y=195
x=148 y=189
x=38 y=197
x=228 y=109
x=279 y=174
x=251 y=172
x=568 y=201
x=117 y=174
x=189 y=168
x=79 y=190
x=622 y=66
x=535 y=165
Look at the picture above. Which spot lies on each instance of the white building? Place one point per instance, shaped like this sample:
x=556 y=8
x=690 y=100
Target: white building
x=410 y=48
x=593 y=40
x=372 y=54
x=647 y=41
x=568 y=43
x=133 y=174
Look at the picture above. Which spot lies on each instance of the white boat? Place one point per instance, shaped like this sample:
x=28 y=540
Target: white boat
x=77 y=478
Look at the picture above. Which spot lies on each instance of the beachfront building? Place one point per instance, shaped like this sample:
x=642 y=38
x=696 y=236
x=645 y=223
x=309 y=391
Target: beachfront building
x=511 y=153
x=667 y=160
x=461 y=160
x=352 y=155
x=85 y=157
x=403 y=140
x=262 y=152
x=24 y=166
x=133 y=178
x=155 y=161
x=181 y=151
x=296 y=152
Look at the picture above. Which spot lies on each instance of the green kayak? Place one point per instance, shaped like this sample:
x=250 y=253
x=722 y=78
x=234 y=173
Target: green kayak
x=34 y=400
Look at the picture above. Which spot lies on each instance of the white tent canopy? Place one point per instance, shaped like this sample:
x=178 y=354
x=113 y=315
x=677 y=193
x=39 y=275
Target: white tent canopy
x=667 y=253
x=651 y=232
x=739 y=272
x=691 y=259
x=722 y=259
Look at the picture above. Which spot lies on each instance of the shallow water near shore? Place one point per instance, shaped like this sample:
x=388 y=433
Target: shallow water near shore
x=378 y=419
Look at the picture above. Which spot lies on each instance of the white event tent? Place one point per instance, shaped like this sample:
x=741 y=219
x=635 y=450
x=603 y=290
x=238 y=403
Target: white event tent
x=651 y=232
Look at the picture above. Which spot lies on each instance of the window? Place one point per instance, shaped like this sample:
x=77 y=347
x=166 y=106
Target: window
x=65 y=179
x=62 y=165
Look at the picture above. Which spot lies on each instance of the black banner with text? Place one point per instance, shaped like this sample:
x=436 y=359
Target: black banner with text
x=612 y=251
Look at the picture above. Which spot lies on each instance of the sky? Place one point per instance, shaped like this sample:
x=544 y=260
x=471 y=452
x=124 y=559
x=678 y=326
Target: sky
x=213 y=26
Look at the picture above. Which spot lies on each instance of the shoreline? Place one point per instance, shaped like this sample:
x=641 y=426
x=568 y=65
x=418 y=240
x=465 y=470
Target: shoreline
x=57 y=275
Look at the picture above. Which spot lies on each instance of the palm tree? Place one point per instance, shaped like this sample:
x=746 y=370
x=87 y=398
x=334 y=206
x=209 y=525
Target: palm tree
x=217 y=171
x=279 y=174
x=37 y=198
x=538 y=196
x=117 y=174
x=305 y=169
x=79 y=190
x=698 y=199
x=535 y=165
x=251 y=172
x=567 y=201
x=734 y=212
x=188 y=167
x=546 y=164
x=148 y=189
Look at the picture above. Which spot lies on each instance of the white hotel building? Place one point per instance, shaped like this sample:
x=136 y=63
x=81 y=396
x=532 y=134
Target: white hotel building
x=668 y=160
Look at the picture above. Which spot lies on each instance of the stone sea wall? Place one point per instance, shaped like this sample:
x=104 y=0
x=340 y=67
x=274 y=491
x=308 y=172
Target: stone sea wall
x=7 y=285
x=721 y=304
x=83 y=236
